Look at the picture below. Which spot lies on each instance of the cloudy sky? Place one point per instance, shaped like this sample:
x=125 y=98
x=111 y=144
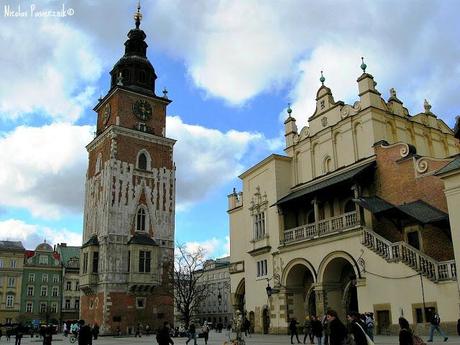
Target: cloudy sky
x=230 y=67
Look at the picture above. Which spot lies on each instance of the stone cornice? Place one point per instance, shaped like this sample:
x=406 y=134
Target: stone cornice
x=131 y=133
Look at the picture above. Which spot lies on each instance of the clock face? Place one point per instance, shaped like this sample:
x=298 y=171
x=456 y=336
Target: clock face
x=142 y=109
x=106 y=113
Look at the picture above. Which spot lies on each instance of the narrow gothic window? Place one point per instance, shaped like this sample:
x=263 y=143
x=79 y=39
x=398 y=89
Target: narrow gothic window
x=142 y=162
x=144 y=261
x=140 y=223
x=95 y=261
x=259 y=225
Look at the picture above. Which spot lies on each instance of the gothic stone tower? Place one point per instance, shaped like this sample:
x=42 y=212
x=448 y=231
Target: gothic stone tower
x=128 y=237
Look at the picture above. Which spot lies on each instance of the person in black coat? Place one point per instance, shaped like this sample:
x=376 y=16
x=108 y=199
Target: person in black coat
x=85 y=336
x=293 y=330
x=164 y=335
x=338 y=332
x=405 y=333
x=357 y=328
x=317 y=329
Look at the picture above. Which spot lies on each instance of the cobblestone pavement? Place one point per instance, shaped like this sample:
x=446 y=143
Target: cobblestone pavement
x=214 y=339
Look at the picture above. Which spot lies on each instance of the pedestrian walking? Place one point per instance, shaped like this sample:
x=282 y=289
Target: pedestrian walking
x=65 y=329
x=369 y=322
x=434 y=326
x=84 y=334
x=1 y=333
x=205 y=330
x=191 y=333
x=95 y=331
x=325 y=324
x=458 y=328
x=317 y=329
x=338 y=332
x=247 y=327
x=357 y=328
x=307 y=330
x=405 y=333
x=293 y=329
x=19 y=333
x=137 y=331
x=164 y=336
x=47 y=335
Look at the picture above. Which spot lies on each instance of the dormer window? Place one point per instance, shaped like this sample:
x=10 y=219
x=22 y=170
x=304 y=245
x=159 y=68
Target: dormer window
x=140 y=220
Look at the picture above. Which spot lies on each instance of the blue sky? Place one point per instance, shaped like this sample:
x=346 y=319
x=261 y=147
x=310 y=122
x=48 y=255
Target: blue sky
x=230 y=68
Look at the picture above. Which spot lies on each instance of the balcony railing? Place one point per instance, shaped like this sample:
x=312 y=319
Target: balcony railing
x=322 y=228
x=401 y=251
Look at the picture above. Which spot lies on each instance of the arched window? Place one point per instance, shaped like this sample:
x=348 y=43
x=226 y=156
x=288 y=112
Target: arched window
x=350 y=206
x=142 y=162
x=140 y=220
x=327 y=165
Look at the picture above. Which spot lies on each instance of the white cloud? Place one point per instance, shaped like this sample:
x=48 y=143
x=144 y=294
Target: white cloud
x=31 y=235
x=207 y=158
x=51 y=69
x=213 y=247
x=239 y=49
x=44 y=168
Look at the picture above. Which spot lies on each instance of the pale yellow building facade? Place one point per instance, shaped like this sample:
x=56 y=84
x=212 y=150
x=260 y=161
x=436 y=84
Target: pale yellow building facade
x=11 y=270
x=345 y=220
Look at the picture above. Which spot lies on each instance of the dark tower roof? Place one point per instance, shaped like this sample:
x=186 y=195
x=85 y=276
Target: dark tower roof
x=134 y=71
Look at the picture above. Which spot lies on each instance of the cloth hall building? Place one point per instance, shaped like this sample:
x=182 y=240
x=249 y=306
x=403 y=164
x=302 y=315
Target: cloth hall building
x=358 y=215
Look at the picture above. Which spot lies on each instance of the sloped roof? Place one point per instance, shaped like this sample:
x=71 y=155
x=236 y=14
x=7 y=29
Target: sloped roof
x=454 y=165
x=142 y=239
x=12 y=246
x=335 y=179
x=93 y=241
x=68 y=252
x=373 y=204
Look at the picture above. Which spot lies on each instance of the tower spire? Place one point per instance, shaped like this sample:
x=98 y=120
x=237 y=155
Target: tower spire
x=138 y=15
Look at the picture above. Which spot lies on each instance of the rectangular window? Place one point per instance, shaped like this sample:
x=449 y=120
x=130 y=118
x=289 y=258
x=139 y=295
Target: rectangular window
x=129 y=260
x=54 y=307
x=144 y=261
x=77 y=285
x=31 y=277
x=43 y=259
x=140 y=302
x=95 y=261
x=262 y=268
x=11 y=281
x=67 y=304
x=1 y=263
x=55 y=278
x=43 y=307
x=13 y=263
x=45 y=278
x=44 y=291
x=85 y=263
x=77 y=304
x=9 y=301
x=68 y=286
x=55 y=291
x=29 y=307
x=30 y=291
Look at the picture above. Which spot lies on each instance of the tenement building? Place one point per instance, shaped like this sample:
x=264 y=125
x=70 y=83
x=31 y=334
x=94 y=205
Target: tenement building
x=11 y=270
x=216 y=308
x=70 y=281
x=128 y=237
x=353 y=217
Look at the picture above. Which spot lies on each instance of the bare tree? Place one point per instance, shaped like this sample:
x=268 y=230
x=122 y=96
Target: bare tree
x=188 y=289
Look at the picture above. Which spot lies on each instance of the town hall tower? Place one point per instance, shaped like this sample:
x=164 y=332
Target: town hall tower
x=128 y=238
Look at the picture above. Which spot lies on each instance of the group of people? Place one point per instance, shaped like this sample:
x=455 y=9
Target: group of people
x=83 y=332
x=192 y=333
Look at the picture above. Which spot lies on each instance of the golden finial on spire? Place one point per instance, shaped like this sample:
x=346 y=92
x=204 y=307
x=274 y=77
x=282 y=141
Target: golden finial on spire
x=138 y=15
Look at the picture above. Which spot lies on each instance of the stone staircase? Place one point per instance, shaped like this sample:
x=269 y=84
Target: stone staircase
x=434 y=270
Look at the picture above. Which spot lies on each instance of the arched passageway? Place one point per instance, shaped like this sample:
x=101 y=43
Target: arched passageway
x=299 y=292
x=339 y=285
x=240 y=298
